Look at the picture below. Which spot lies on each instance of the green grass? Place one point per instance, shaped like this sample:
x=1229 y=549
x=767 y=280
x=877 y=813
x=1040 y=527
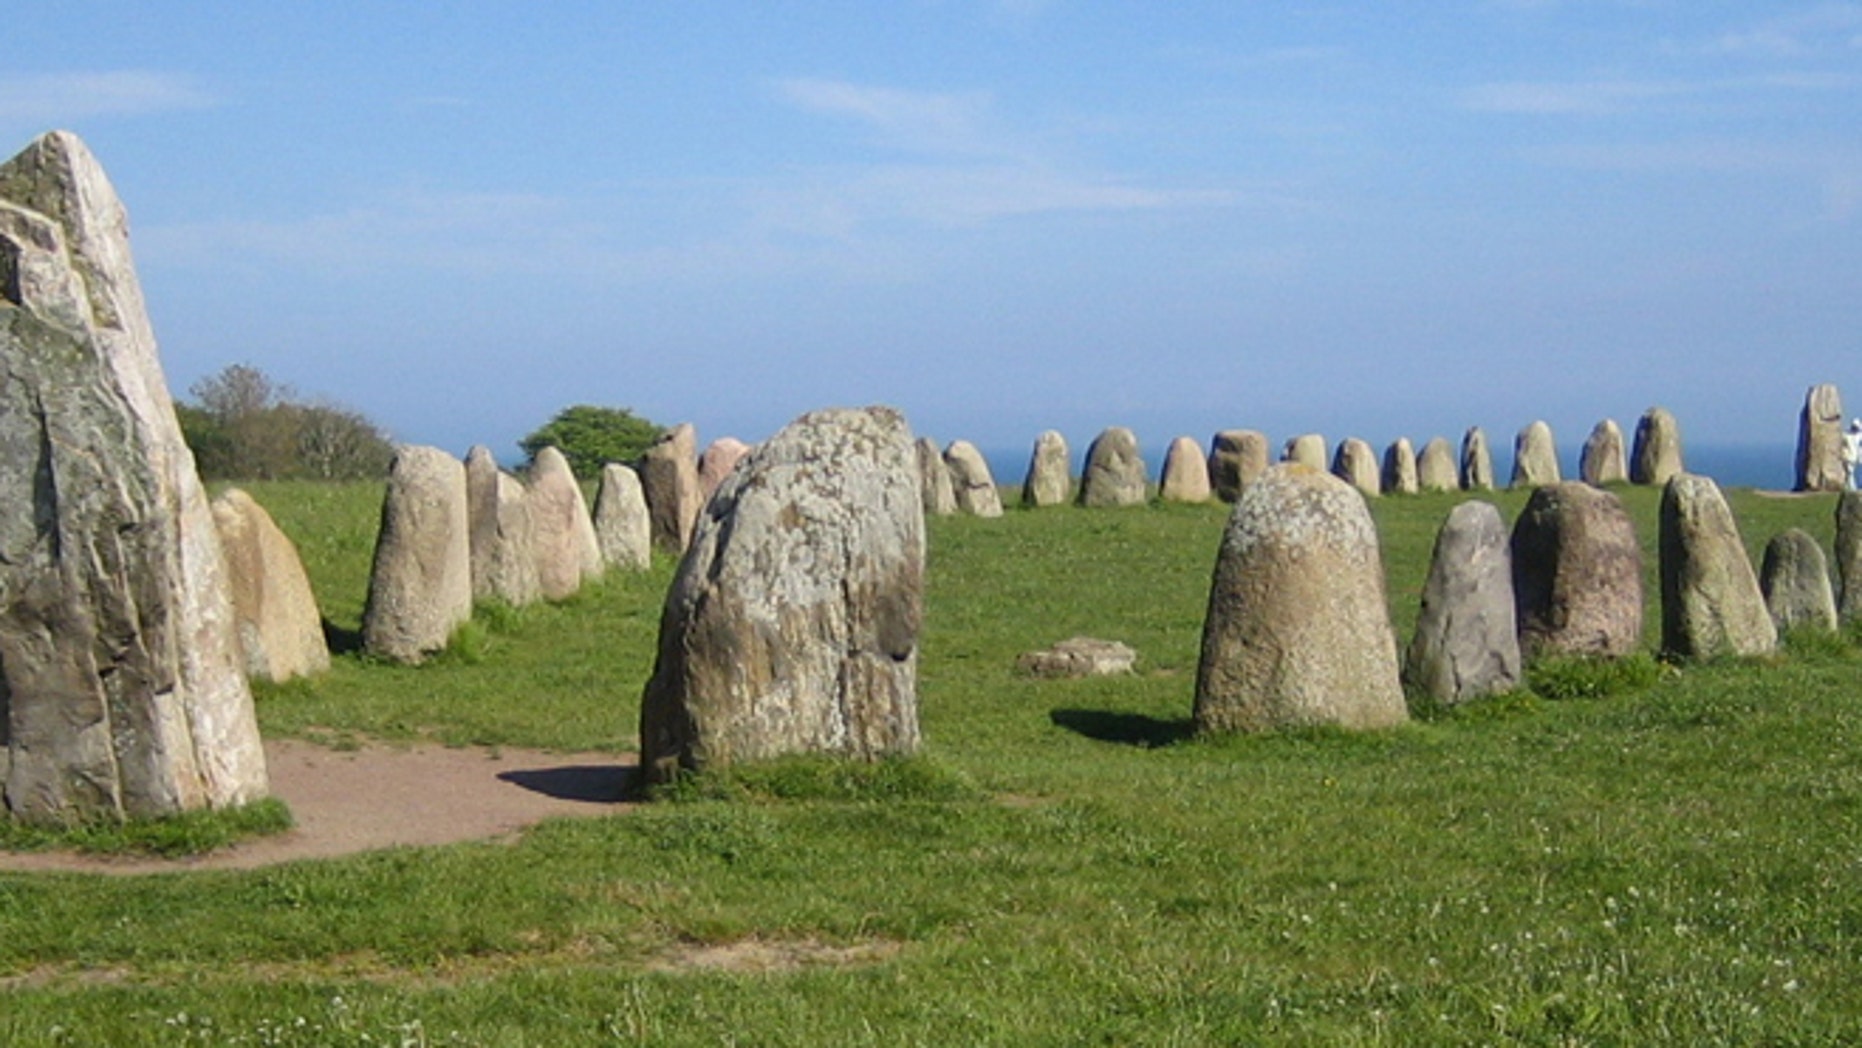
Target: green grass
x=1669 y=858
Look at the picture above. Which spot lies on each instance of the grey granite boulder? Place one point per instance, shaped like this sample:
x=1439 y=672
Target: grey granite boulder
x=1356 y=464
x=1466 y=643
x=1186 y=473
x=1535 y=456
x=567 y=551
x=1307 y=449
x=1399 y=475
x=1603 y=460
x=1237 y=457
x=1656 y=455
x=622 y=525
x=420 y=584
x=716 y=462
x=1079 y=657
x=500 y=537
x=1577 y=573
x=1436 y=469
x=792 y=624
x=669 y=478
x=1476 y=461
x=939 y=496
x=1114 y=474
x=970 y=479
x=1711 y=601
x=275 y=613
x=1820 y=441
x=1050 y=472
x=1795 y=578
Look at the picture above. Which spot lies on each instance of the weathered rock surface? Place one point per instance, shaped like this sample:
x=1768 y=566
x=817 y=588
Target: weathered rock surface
x=501 y=539
x=940 y=497
x=1237 y=457
x=622 y=525
x=1307 y=449
x=1657 y=453
x=567 y=551
x=1356 y=464
x=1050 y=472
x=1476 y=461
x=1820 y=441
x=1400 y=476
x=669 y=477
x=1298 y=632
x=1603 y=460
x=1577 y=573
x=1080 y=657
x=1535 y=456
x=716 y=462
x=1114 y=474
x=1711 y=601
x=1849 y=556
x=971 y=481
x=1795 y=579
x=792 y=624
x=1435 y=467
x=1466 y=643
x=420 y=586
x=274 y=611
x=124 y=691
x=1186 y=473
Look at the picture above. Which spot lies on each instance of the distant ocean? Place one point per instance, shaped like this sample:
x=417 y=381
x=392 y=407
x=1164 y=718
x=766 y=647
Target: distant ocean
x=1730 y=465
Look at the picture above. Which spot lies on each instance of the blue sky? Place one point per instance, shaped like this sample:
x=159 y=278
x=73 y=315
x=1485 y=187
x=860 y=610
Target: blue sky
x=1002 y=216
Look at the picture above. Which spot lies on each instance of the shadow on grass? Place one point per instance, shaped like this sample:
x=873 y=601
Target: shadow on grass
x=589 y=783
x=1130 y=729
x=339 y=640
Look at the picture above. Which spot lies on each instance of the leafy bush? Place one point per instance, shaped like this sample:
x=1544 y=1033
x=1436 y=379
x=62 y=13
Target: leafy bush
x=590 y=437
x=248 y=427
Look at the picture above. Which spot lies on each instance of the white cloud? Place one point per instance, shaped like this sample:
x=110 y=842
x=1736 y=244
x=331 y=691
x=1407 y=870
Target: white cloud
x=1594 y=98
x=59 y=98
x=1811 y=31
x=921 y=121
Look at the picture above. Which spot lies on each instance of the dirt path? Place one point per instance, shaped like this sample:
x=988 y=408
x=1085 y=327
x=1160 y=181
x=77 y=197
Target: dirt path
x=382 y=796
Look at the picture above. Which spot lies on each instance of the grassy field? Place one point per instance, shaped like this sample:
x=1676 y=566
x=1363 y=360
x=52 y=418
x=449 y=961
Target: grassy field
x=1067 y=865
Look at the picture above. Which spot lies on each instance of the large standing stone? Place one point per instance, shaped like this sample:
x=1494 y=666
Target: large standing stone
x=502 y=539
x=568 y=553
x=940 y=497
x=1356 y=464
x=1307 y=449
x=716 y=462
x=1435 y=467
x=1298 y=632
x=1603 y=460
x=1050 y=472
x=274 y=611
x=970 y=479
x=1795 y=578
x=1577 y=573
x=420 y=586
x=1657 y=452
x=669 y=476
x=1114 y=473
x=622 y=526
x=1711 y=602
x=1467 y=636
x=1400 y=476
x=1535 y=456
x=1849 y=555
x=1820 y=441
x=1476 y=461
x=792 y=624
x=124 y=692
x=1186 y=473
x=1237 y=458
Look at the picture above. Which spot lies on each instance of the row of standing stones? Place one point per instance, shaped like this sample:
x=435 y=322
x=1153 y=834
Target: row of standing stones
x=792 y=622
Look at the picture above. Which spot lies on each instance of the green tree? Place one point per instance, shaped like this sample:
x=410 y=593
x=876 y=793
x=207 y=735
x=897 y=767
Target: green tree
x=590 y=437
x=246 y=426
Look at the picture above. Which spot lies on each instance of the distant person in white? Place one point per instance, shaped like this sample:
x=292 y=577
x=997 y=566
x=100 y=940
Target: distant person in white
x=1852 y=453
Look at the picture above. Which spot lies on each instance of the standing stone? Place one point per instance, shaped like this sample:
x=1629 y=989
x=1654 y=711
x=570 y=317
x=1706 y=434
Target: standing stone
x=719 y=458
x=792 y=624
x=1356 y=464
x=669 y=477
x=1795 y=578
x=1435 y=467
x=939 y=496
x=1577 y=573
x=970 y=479
x=1237 y=458
x=501 y=538
x=1476 y=461
x=1849 y=555
x=1711 y=602
x=1820 y=441
x=1186 y=473
x=1308 y=449
x=622 y=526
x=1535 y=457
x=1298 y=631
x=1114 y=473
x=1467 y=637
x=567 y=551
x=1050 y=472
x=124 y=693
x=1400 y=476
x=420 y=586
x=1657 y=453
x=1603 y=461
x=274 y=611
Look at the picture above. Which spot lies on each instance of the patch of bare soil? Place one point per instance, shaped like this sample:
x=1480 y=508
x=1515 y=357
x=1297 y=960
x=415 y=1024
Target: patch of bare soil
x=764 y=955
x=348 y=801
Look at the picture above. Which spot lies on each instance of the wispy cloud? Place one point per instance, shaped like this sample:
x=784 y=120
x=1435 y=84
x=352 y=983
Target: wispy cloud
x=1577 y=98
x=1831 y=169
x=55 y=98
x=1823 y=29
x=921 y=121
